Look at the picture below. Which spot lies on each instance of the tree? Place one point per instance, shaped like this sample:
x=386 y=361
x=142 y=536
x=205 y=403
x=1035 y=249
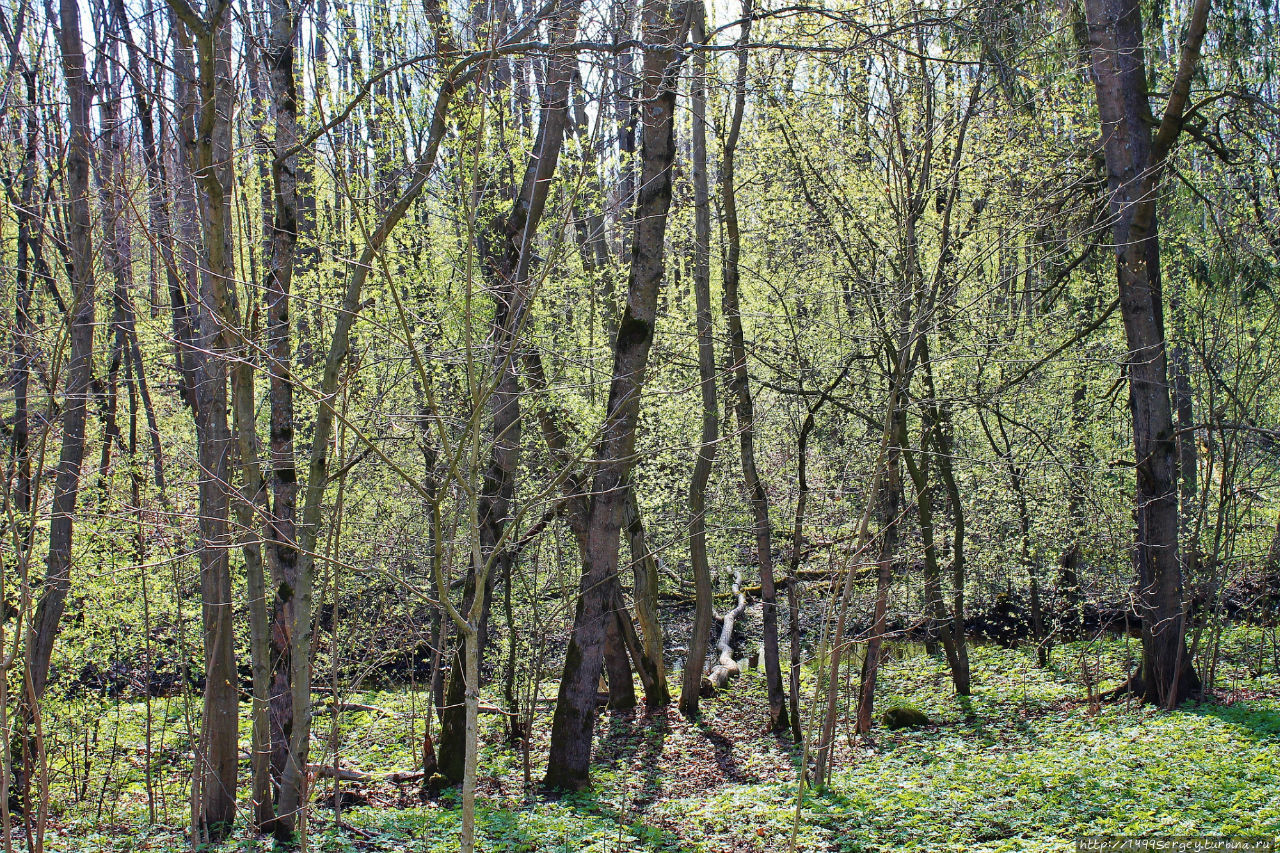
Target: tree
x=1135 y=159
x=664 y=27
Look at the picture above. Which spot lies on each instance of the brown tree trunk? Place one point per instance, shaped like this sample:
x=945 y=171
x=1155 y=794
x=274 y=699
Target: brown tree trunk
x=207 y=129
x=745 y=407
x=891 y=506
x=508 y=253
x=280 y=524
x=574 y=722
x=1135 y=160
x=919 y=466
x=79 y=367
x=691 y=686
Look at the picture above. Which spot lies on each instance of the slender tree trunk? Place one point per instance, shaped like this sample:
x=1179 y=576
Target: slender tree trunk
x=891 y=507
x=1017 y=483
x=691 y=687
x=1068 y=581
x=946 y=455
x=644 y=569
x=209 y=142
x=918 y=468
x=78 y=371
x=745 y=407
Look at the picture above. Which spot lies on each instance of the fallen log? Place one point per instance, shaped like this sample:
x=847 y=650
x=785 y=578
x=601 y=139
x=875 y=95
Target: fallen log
x=726 y=665
x=343 y=774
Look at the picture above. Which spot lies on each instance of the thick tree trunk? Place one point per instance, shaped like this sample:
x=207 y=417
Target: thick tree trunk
x=574 y=721
x=1134 y=160
x=280 y=524
x=207 y=129
x=593 y=248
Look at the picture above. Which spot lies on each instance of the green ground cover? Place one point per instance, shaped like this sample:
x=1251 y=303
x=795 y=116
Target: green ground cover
x=1026 y=763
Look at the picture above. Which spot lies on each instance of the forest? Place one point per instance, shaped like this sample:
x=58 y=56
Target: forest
x=639 y=425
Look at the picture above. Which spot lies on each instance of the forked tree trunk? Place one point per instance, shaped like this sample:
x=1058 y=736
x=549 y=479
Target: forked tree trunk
x=665 y=25
x=508 y=252
x=593 y=247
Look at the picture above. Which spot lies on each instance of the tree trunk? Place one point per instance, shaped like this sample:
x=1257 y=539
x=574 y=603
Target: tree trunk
x=891 y=506
x=574 y=722
x=207 y=130
x=919 y=471
x=691 y=686
x=507 y=252
x=79 y=367
x=280 y=524
x=1135 y=160
x=745 y=408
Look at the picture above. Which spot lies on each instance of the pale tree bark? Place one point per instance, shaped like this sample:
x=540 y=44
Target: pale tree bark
x=1135 y=160
x=665 y=25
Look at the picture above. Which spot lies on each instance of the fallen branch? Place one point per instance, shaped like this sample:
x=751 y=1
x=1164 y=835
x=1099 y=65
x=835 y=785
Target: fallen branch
x=355 y=830
x=343 y=774
x=726 y=666
x=356 y=707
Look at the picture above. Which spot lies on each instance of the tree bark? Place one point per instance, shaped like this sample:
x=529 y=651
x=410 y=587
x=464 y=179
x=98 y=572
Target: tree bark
x=280 y=523
x=508 y=255
x=1135 y=159
x=574 y=722
x=891 y=507
x=691 y=687
x=745 y=406
x=206 y=126
x=78 y=371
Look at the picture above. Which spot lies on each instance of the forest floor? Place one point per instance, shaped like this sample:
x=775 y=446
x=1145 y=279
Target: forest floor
x=1025 y=763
